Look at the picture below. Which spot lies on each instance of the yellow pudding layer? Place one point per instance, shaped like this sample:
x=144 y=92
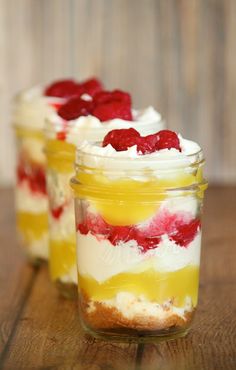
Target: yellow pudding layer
x=26 y=132
x=127 y=201
x=32 y=226
x=62 y=256
x=153 y=285
x=60 y=155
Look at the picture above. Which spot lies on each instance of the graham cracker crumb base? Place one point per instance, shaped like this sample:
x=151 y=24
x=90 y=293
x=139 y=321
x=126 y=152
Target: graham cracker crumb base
x=104 y=317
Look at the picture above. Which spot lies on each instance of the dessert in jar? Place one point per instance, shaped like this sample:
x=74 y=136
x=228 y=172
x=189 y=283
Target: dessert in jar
x=30 y=110
x=88 y=117
x=138 y=204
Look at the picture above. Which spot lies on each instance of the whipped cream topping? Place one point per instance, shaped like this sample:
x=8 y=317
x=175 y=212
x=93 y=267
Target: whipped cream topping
x=101 y=260
x=146 y=121
x=126 y=163
x=32 y=107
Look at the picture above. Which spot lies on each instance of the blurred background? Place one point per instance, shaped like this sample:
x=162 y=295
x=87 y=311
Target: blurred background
x=177 y=55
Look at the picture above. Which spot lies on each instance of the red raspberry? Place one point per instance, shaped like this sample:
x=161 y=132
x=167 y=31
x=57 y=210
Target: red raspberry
x=56 y=106
x=122 y=96
x=127 y=233
x=125 y=138
x=61 y=135
x=57 y=212
x=21 y=173
x=38 y=180
x=104 y=97
x=186 y=233
x=95 y=225
x=164 y=139
x=75 y=108
x=82 y=228
x=121 y=139
x=148 y=243
x=63 y=89
x=91 y=86
x=109 y=111
x=167 y=139
x=34 y=175
x=114 y=104
x=147 y=144
x=165 y=223
x=121 y=233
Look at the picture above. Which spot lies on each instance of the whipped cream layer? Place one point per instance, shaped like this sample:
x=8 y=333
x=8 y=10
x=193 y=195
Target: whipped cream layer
x=26 y=201
x=101 y=260
x=58 y=188
x=32 y=107
x=132 y=306
x=70 y=277
x=128 y=163
x=146 y=121
x=33 y=150
x=39 y=248
x=63 y=227
x=172 y=204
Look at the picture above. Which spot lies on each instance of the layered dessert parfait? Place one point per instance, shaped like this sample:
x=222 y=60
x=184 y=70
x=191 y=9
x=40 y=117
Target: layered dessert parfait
x=30 y=110
x=88 y=117
x=138 y=219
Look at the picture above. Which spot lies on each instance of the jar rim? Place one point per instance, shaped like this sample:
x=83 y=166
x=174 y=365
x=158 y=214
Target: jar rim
x=95 y=191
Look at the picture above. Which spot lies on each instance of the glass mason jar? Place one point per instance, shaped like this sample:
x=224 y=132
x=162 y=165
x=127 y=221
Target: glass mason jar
x=60 y=152
x=138 y=229
x=30 y=194
x=30 y=110
x=30 y=189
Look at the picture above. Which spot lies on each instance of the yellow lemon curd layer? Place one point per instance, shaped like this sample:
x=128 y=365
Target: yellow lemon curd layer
x=153 y=285
x=62 y=256
x=127 y=201
x=60 y=156
x=32 y=226
x=22 y=132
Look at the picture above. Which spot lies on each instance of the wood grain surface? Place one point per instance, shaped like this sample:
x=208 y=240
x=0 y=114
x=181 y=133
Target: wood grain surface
x=178 y=55
x=39 y=330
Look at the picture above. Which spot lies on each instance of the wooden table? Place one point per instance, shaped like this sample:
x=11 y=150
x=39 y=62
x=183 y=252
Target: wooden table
x=39 y=330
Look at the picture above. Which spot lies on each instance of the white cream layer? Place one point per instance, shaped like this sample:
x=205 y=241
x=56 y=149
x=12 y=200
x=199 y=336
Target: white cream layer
x=63 y=227
x=27 y=201
x=33 y=149
x=39 y=248
x=71 y=277
x=132 y=306
x=32 y=107
x=59 y=190
x=102 y=260
x=186 y=204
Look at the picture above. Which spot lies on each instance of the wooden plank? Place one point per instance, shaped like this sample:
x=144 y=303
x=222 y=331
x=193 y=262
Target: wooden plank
x=49 y=336
x=16 y=277
x=40 y=330
x=212 y=342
